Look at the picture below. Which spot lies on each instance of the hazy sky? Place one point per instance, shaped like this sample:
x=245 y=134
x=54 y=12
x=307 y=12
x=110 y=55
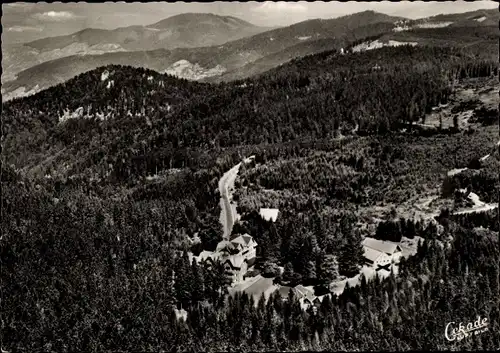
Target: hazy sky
x=28 y=21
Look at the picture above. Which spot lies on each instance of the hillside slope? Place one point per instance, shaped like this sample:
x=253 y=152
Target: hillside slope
x=118 y=122
x=483 y=41
x=442 y=30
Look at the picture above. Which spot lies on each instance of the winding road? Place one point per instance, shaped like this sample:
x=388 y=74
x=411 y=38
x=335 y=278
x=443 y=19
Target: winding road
x=228 y=212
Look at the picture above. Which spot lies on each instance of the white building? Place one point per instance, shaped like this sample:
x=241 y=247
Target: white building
x=379 y=253
x=269 y=214
x=376 y=258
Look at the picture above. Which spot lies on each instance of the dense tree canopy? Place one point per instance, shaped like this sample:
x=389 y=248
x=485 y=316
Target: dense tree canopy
x=99 y=211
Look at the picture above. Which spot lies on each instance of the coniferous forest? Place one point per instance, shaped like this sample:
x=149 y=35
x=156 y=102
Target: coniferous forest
x=107 y=187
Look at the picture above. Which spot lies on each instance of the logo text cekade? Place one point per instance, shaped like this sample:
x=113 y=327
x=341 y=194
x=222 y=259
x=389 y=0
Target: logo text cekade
x=458 y=332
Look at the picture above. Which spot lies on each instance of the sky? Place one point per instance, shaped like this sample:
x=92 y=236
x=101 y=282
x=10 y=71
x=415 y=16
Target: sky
x=24 y=22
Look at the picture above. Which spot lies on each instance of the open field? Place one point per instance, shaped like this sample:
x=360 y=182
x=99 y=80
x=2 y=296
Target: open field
x=475 y=93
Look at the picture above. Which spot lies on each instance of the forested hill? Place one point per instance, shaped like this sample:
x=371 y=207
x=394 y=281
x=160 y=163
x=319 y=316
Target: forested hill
x=95 y=114
x=128 y=122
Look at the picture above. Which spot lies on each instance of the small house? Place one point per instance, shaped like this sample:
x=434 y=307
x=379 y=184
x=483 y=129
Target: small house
x=304 y=295
x=269 y=214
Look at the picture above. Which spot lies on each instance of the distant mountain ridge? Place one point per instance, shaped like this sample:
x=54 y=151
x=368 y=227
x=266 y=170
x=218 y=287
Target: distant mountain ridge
x=225 y=57
x=253 y=55
x=478 y=18
x=181 y=31
x=186 y=19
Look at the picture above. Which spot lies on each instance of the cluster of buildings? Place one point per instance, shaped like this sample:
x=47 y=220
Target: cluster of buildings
x=379 y=255
x=258 y=286
x=237 y=255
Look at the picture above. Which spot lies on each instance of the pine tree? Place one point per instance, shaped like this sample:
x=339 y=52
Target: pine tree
x=310 y=271
x=329 y=270
x=351 y=255
x=170 y=288
x=183 y=280
x=198 y=292
x=222 y=277
x=455 y=122
x=288 y=273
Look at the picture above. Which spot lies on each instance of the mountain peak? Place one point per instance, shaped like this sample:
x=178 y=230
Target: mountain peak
x=371 y=14
x=194 y=18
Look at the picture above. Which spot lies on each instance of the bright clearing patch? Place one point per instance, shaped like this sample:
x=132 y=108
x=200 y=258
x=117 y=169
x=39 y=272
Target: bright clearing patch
x=434 y=25
x=187 y=70
x=378 y=44
x=104 y=75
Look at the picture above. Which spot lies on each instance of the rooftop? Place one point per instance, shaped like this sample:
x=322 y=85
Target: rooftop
x=303 y=290
x=205 y=255
x=371 y=254
x=382 y=246
x=224 y=244
x=235 y=260
x=244 y=240
x=269 y=214
x=284 y=290
x=300 y=292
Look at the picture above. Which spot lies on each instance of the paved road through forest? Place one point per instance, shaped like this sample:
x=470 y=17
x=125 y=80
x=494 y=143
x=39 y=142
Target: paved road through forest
x=228 y=214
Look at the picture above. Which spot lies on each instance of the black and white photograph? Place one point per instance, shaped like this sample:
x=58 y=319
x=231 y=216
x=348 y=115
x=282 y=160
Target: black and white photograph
x=250 y=176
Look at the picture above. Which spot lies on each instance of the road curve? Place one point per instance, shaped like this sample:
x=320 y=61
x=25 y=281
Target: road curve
x=483 y=208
